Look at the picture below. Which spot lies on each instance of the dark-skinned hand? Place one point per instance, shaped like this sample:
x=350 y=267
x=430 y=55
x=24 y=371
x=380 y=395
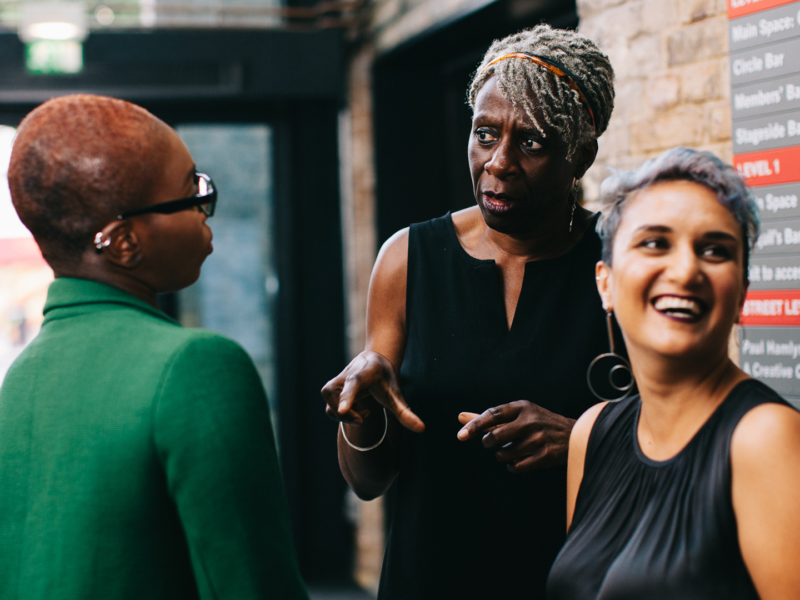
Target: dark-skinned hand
x=522 y=435
x=368 y=375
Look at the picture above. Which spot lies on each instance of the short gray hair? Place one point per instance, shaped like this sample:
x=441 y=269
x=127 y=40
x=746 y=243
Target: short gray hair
x=562 y=106
x=678 y=164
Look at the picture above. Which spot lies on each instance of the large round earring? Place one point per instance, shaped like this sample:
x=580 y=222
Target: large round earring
x=618 y=366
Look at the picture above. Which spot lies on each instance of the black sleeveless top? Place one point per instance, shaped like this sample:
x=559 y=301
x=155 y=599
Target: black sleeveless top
x=657 y=530
x=462 y=525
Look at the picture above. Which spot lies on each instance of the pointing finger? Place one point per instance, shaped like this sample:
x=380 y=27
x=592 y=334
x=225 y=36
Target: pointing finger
x=466 y=417
x=486 y=421
x=389 y=395
x=407 y=417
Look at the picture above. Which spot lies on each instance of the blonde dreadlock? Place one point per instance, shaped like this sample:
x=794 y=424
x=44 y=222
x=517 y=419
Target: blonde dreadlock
x=561 y=106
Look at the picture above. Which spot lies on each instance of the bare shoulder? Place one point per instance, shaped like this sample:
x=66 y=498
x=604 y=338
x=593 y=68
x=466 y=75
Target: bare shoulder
x=467 y=217
x=767 y=434
x=583 y=427
x=386 y=302
x=578 y=442
x=395 y=248
x=469 y=225
x=765 y=491
x=392 y=261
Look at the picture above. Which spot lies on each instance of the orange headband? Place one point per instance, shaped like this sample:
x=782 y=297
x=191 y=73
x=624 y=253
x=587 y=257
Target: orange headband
x=558 y=71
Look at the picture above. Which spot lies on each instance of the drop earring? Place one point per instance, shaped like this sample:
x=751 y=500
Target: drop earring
x=574 y=203
x=621 y=366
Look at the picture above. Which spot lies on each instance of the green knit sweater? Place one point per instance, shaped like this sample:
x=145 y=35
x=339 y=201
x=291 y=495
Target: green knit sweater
x=137 y=461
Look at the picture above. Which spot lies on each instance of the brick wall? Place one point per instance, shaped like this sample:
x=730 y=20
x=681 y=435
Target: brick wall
x=673 y=86
x=670 y=58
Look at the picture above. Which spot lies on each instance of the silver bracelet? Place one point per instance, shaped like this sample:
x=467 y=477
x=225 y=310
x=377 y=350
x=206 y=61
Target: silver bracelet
x=378 y=443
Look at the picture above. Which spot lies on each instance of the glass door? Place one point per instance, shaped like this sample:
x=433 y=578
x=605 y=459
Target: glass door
x=237 y=290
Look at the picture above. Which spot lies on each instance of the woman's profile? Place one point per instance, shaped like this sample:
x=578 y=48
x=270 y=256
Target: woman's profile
x=481 y=325
x=137 y=458
x=690 y=488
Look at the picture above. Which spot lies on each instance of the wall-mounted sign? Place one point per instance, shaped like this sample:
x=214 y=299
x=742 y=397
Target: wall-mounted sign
x=765 y=103
x=772 y=354
x=740 y=8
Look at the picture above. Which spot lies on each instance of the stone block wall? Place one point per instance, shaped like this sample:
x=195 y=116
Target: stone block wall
x=673 y=86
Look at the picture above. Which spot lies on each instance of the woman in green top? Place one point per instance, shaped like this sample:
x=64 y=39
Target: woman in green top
x=136 y=457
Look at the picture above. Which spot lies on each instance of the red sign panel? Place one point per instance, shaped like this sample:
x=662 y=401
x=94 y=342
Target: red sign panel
x=740 y=8
x=771 y=308
x=769 y=167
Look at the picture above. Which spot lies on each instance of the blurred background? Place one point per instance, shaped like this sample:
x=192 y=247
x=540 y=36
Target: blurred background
x=327 y=126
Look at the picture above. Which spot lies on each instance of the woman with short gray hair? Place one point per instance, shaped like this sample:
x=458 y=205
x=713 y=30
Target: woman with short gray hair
x=682 y=164
x=690 y=488
x=486 y=318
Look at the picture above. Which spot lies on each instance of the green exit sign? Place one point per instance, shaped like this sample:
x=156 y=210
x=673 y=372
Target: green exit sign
x=50 y=57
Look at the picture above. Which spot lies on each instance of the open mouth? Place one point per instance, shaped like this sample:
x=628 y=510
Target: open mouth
x=497 y=204
x=680 y=308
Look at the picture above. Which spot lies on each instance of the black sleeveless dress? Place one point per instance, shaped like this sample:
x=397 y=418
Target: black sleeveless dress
x=462 y=525
x=657 y=530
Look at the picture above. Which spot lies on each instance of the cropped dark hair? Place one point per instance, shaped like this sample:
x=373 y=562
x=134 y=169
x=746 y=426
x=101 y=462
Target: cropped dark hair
x=76 y=163
x=678 y=164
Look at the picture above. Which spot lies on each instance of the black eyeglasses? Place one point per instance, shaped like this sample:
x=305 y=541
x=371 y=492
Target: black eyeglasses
x=205 y=199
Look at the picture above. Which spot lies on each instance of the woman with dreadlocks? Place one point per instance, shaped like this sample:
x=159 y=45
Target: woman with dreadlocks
x=488 y=317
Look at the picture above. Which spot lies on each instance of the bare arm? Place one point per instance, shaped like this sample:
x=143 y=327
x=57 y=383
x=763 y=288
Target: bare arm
x=369 y=383
x=765 y=462
x=578 y=442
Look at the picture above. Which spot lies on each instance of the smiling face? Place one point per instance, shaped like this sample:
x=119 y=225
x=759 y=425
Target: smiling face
x=174 y=246
x=677 y=282
x=521 y=179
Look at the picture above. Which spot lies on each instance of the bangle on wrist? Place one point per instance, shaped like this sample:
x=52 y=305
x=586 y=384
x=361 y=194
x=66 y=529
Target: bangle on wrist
x=375 y=445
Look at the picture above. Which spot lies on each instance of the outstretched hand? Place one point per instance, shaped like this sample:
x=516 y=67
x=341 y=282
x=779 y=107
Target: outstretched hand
x=368 y=375
x=522 y=435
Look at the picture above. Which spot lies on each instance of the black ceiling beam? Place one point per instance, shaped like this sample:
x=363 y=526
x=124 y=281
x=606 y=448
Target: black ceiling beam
x=187 y=64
